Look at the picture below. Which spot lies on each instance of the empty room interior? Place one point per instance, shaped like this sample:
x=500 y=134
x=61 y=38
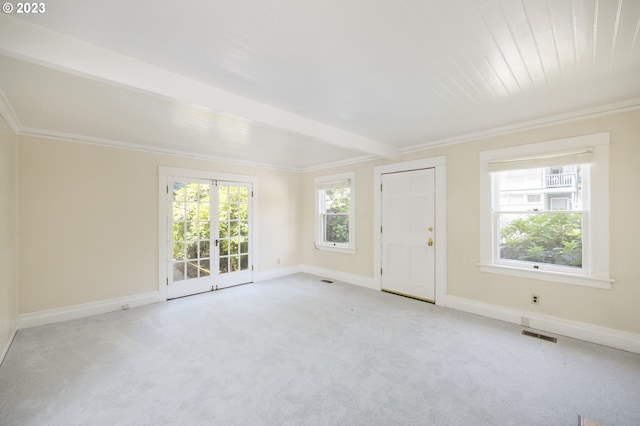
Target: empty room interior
x=306 y=213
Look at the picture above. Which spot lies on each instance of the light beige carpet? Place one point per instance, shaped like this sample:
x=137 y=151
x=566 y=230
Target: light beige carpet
x=296 y=351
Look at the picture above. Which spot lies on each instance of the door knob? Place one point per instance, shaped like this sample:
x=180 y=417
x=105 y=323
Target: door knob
x=430 y=242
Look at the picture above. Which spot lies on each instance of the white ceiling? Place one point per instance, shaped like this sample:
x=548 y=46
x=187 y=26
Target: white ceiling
x=301 y=84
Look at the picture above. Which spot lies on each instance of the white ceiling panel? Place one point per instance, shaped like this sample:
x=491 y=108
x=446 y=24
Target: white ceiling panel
x=352 y=78
x=65 y=105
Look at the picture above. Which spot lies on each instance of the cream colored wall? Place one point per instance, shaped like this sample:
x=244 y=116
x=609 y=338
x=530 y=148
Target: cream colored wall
x=615 y=308
x=8 y=233
x=89 y=221
x=362 y=262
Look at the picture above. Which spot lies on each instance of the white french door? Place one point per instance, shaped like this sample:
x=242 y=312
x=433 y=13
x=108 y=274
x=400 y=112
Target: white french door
x=408 y=235
x=209 y=235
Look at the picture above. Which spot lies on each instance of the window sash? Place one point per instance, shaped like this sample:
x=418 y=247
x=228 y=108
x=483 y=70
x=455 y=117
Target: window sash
x=326 y=219
x=541 y=264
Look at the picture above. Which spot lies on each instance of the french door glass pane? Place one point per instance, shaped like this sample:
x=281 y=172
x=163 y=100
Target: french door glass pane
x=178 y=251
x=192 y=269
x=234 y=263
x=224 y=264
x=224 y=247
x=205 y=268
x=204 y=250
x=178 y=271
x=244 y=195
x=234 y=211
x=233 y=246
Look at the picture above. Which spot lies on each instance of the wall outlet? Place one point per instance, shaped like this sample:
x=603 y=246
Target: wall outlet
x=535 y=299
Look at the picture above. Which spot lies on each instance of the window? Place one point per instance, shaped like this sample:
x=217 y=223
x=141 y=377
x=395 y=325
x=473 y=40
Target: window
x=533 y=198
x=557 y=228
x=532 y=235
x=335 y=227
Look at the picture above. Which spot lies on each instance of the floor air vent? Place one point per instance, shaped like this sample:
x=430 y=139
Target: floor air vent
x=326 y=281
x=540 y=336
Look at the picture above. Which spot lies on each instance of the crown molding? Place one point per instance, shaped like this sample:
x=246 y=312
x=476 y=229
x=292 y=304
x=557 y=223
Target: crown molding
x=583 y=114
x=110 y=143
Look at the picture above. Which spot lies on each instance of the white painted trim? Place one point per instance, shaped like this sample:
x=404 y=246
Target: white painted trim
x=440 y=165
x=345 y=277
x=67 y=313
x=276 y=273
x=583 y=114
x=578 y=330
x=8 y=345
x=554 y=276
x=110 y=143
x=588 y=332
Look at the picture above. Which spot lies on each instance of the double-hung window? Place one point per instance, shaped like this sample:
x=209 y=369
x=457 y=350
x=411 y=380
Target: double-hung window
x=545 y=211
x=335 y=212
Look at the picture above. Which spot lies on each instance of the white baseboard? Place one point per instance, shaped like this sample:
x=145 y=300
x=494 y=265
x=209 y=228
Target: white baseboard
x=67 y=313
x=354 y=279
x=275 y=273
x=8 y=345
x=575 y=329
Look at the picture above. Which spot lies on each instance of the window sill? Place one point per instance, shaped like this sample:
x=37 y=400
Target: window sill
x=337 y=249
x=559 y=277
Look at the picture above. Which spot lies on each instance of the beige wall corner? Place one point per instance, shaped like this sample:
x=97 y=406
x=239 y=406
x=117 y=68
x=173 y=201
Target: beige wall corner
x=8 y=233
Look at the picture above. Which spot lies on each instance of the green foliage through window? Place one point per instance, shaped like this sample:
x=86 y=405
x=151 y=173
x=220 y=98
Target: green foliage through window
x=552 y=238
x=337 y=204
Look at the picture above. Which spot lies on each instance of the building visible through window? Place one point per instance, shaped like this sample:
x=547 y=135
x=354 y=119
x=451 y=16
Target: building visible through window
x=540 y=215
x=544 y=210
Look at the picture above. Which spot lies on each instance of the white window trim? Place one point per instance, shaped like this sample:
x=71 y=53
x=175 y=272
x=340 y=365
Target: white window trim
x=597 y=274
x=349 y=248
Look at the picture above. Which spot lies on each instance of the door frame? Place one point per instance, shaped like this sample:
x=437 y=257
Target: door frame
x=440 y=166
x=164 y=174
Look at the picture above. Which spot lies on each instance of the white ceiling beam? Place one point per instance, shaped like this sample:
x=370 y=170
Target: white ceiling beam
x=26 y=41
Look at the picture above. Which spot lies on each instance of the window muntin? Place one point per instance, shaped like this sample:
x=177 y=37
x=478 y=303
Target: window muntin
x=335 y=212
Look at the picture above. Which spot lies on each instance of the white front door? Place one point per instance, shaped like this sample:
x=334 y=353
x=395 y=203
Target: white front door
x=209 y=242
x=408 y=234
